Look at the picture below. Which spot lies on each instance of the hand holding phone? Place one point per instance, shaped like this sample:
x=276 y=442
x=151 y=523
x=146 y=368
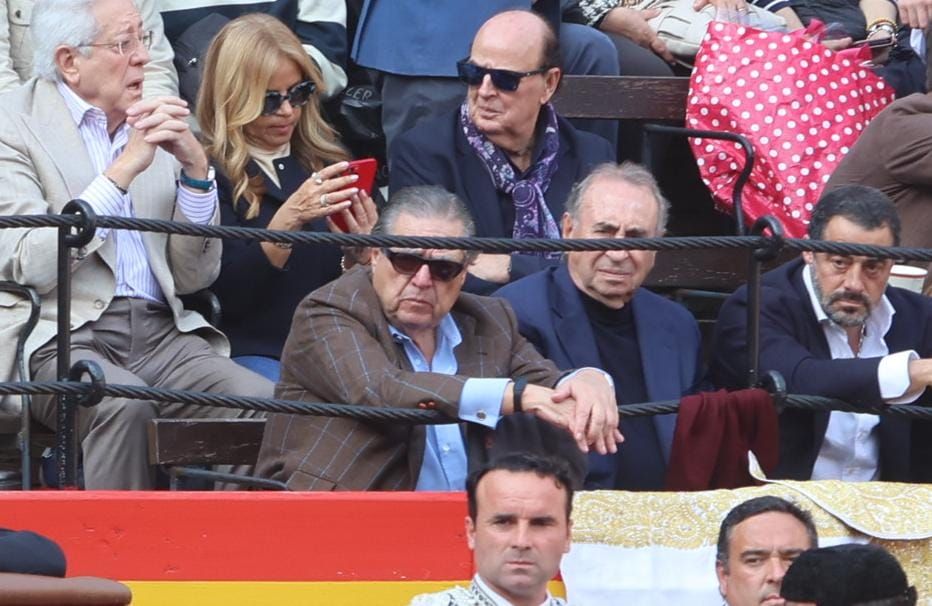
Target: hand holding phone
x=365 y=169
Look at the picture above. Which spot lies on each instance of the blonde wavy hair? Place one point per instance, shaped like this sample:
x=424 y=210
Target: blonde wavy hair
x=240 y=62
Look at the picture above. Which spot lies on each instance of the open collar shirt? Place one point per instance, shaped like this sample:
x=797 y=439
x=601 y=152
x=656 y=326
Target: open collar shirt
x=850 y=450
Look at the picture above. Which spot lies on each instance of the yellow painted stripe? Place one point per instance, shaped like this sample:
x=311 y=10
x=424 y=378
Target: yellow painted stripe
x=245 y=593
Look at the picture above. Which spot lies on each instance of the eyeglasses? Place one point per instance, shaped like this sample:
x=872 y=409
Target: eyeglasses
x=409 y=264
x=298 y=95
x=126 y=47
x=502 y=79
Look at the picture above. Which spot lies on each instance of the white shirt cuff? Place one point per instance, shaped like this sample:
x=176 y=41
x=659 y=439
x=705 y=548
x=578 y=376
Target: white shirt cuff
x=481 y=401
x=893 y=377
x=198 y=208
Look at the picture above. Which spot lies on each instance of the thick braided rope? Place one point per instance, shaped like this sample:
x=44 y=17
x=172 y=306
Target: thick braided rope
x=405 y=415
x=492 y=245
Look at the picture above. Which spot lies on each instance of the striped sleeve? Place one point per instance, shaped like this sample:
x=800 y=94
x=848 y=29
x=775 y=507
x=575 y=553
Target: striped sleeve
x=198 y=208
x=105 y=199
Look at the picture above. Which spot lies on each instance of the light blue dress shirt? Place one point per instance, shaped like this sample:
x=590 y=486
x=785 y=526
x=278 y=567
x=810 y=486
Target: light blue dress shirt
x=444 y=466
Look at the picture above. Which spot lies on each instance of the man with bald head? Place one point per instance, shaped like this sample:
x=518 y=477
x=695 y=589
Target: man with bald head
x=505 y=152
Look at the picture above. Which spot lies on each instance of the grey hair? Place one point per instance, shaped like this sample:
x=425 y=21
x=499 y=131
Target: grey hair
x=628 y=172
x=60 y=23
x=424 y=202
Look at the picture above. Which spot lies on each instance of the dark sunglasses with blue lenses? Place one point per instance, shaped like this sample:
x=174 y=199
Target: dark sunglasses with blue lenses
x=502 y=79
x=409 y=264
x=297 y=95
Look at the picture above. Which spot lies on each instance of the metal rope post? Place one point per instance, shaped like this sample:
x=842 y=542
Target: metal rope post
x=768 y=252
x=65 y=445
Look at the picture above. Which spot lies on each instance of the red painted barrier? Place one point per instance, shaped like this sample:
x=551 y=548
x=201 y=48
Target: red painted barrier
x=251 y=536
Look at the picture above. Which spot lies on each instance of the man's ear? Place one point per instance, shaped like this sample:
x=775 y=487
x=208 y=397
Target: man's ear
x=566 y=224
x=569 y=536
x=470 y=533
x=66 y=60
x=551 y=81
x=722 y=575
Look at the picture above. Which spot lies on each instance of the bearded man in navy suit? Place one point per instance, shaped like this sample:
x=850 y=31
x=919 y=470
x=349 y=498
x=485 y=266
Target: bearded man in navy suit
x=591 y=311
x=832 y=326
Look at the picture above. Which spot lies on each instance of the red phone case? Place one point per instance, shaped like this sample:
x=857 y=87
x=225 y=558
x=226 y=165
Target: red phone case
x=366 y=169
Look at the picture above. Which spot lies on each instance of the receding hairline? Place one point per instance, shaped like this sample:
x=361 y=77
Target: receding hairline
x=787 y=514
x=539 y=474
x=542 y=27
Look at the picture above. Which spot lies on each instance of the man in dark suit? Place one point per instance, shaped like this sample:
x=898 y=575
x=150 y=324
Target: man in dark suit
x=403 y=335
x=591 y=311
x=505 y=152
x=832 y=327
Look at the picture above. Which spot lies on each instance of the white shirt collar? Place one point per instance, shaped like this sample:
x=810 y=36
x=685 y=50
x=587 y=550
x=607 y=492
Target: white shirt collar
x=83 y=112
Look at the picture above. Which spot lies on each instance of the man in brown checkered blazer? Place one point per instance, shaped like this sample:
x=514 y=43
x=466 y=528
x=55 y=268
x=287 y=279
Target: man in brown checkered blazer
x=402 y=334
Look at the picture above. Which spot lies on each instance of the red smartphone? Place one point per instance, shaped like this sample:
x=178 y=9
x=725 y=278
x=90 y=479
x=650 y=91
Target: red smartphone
x=366 y=168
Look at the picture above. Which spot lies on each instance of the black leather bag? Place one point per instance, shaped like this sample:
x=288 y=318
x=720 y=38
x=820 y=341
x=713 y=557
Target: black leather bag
x=190 y=49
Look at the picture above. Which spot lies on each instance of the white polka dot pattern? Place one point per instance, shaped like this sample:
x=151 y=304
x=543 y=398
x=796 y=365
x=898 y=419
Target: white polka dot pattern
x=801 y=105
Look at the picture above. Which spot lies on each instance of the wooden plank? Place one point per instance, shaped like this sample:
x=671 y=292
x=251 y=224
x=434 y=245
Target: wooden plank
x=718 y=269
x=205 y=441
x=623 y=97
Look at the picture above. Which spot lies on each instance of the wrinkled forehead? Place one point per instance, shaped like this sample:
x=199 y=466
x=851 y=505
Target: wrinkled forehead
x=114 y=16
x=513 y=40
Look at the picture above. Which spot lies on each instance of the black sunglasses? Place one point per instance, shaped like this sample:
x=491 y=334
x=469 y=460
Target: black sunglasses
x=409 y=264
x=502 y=79
x=297 y=95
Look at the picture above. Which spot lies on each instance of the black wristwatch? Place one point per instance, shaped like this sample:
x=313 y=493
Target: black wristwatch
x=203 y=184
x=517 y=391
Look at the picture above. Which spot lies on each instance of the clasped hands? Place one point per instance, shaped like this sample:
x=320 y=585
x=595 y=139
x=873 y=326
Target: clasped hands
x=158 y=122
x=583 y=404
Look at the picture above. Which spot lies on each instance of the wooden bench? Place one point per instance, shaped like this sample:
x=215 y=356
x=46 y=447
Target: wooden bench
x=186 y=447
x=205 y=441
x=623 y=98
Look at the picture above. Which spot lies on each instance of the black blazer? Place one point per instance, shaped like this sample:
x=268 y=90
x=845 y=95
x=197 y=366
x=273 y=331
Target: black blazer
x=793 y=343
x=257 y=299
x=436 y=152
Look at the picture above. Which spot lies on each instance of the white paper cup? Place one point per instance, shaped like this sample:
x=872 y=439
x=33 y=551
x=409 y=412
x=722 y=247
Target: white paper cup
x=908 y=277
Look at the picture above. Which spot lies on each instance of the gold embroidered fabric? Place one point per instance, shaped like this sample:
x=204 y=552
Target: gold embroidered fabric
x=882 y=511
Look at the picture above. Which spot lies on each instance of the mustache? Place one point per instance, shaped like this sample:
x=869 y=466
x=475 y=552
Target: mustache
x=847 y=295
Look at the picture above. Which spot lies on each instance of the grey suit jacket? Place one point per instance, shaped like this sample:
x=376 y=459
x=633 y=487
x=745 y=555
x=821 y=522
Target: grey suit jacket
x=340 y=350
x=43 y=165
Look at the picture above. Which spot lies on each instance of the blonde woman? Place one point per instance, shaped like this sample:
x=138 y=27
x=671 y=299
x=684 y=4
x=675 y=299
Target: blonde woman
x=279 y=166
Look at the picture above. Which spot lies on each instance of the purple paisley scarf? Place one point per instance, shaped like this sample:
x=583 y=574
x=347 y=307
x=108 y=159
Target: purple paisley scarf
x=532 y=217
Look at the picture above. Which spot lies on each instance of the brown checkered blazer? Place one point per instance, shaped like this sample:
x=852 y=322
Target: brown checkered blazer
x=340 y=350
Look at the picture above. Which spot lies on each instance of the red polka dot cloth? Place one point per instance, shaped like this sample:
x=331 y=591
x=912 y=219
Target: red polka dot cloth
x=801 y=105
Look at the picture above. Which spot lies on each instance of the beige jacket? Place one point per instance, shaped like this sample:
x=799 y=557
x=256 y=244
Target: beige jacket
x=43 y=165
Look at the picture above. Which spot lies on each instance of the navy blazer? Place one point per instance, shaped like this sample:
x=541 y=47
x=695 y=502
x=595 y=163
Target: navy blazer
x=257 y=299
x=551 y=315
x=793 y=343
x=426 y=37
x=436 y=152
